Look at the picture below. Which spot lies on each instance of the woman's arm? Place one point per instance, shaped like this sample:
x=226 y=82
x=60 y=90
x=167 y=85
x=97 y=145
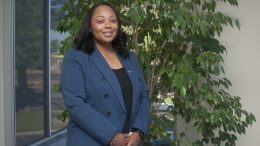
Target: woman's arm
x=142 y=118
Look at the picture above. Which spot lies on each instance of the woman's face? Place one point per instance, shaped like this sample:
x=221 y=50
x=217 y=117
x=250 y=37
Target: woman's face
x=104 y=25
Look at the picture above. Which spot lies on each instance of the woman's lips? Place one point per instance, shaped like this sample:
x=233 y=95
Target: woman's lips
x=108 y=34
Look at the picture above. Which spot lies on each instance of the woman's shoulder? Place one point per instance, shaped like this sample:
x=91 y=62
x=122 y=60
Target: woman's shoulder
x=76 y=55
x=73 y=52
x=132 y=54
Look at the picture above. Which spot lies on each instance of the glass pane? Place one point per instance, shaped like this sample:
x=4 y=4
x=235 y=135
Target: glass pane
x=57 y=103
x=29 y=69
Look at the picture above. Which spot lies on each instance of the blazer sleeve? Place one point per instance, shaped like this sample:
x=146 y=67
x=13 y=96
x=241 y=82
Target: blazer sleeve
x=82 y=113
x=142 y=119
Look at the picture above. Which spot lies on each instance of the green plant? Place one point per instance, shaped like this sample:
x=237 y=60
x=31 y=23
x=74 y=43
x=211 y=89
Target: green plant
x=176 y=42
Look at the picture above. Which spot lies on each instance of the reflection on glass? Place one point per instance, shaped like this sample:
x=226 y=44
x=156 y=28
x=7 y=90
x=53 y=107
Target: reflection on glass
x=29 y=42
x=57 y=103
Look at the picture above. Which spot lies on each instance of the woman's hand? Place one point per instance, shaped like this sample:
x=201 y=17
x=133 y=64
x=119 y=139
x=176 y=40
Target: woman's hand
x=134 y=139
x=120 y=139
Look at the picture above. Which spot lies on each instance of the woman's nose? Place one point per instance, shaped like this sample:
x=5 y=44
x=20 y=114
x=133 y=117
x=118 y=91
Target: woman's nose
x=108 y=25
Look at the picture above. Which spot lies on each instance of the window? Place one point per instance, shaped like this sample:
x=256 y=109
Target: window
x=37 y=69
x=29 y=70
x=57 y=104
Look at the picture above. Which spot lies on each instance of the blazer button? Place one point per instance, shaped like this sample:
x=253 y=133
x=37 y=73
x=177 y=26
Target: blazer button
x=139 y=79
x=109 y=114
x=103 y=78
x=106 y=95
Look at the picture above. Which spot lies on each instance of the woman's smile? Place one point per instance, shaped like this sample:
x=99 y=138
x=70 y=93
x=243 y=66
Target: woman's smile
x=104 y=25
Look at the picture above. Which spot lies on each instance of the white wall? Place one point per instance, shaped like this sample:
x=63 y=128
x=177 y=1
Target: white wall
x=1 y=77
x=7 y=122
x=242 y=63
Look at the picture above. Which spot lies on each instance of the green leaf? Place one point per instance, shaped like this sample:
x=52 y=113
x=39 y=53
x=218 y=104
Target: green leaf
x=57 y=88
x=237 y=23
x=183 y=91
x=133 y=13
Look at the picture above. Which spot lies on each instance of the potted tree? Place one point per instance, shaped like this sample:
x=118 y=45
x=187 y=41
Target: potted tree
x=176 y=42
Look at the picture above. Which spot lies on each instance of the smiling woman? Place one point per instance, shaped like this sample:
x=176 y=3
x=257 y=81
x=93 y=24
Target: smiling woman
x=103 y=85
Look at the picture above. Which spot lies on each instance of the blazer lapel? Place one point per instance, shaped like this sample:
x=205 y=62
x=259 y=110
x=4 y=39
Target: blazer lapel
x=104 y=68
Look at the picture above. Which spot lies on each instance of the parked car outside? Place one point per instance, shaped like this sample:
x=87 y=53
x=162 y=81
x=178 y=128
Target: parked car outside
x=168 y=107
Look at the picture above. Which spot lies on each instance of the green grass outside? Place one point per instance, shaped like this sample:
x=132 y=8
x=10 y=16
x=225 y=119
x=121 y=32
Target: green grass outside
x=28 y=121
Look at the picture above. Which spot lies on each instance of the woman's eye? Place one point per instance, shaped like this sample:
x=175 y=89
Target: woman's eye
x=114 y=20
x=100 y=21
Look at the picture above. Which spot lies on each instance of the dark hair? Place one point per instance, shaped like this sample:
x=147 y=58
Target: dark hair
x=84 y=40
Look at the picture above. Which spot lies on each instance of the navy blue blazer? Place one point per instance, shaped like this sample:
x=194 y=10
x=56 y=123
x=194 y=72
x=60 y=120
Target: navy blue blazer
x=94 y=100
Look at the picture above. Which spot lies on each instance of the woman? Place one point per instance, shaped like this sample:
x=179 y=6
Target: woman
x=103 y=86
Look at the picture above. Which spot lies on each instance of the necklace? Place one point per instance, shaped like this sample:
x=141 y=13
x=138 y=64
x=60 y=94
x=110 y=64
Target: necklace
x=110 y=58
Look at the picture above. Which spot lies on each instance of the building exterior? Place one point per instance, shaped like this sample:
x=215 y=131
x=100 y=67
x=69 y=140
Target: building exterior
x=39 y=108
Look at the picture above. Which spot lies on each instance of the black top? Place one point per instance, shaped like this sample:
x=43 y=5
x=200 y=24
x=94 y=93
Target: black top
x=126 y=88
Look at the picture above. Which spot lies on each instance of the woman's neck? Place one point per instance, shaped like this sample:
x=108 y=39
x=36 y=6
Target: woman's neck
x=109 y=55
x=105 y=48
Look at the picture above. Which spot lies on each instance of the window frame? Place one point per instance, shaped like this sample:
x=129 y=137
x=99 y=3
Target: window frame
x=7 y=102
